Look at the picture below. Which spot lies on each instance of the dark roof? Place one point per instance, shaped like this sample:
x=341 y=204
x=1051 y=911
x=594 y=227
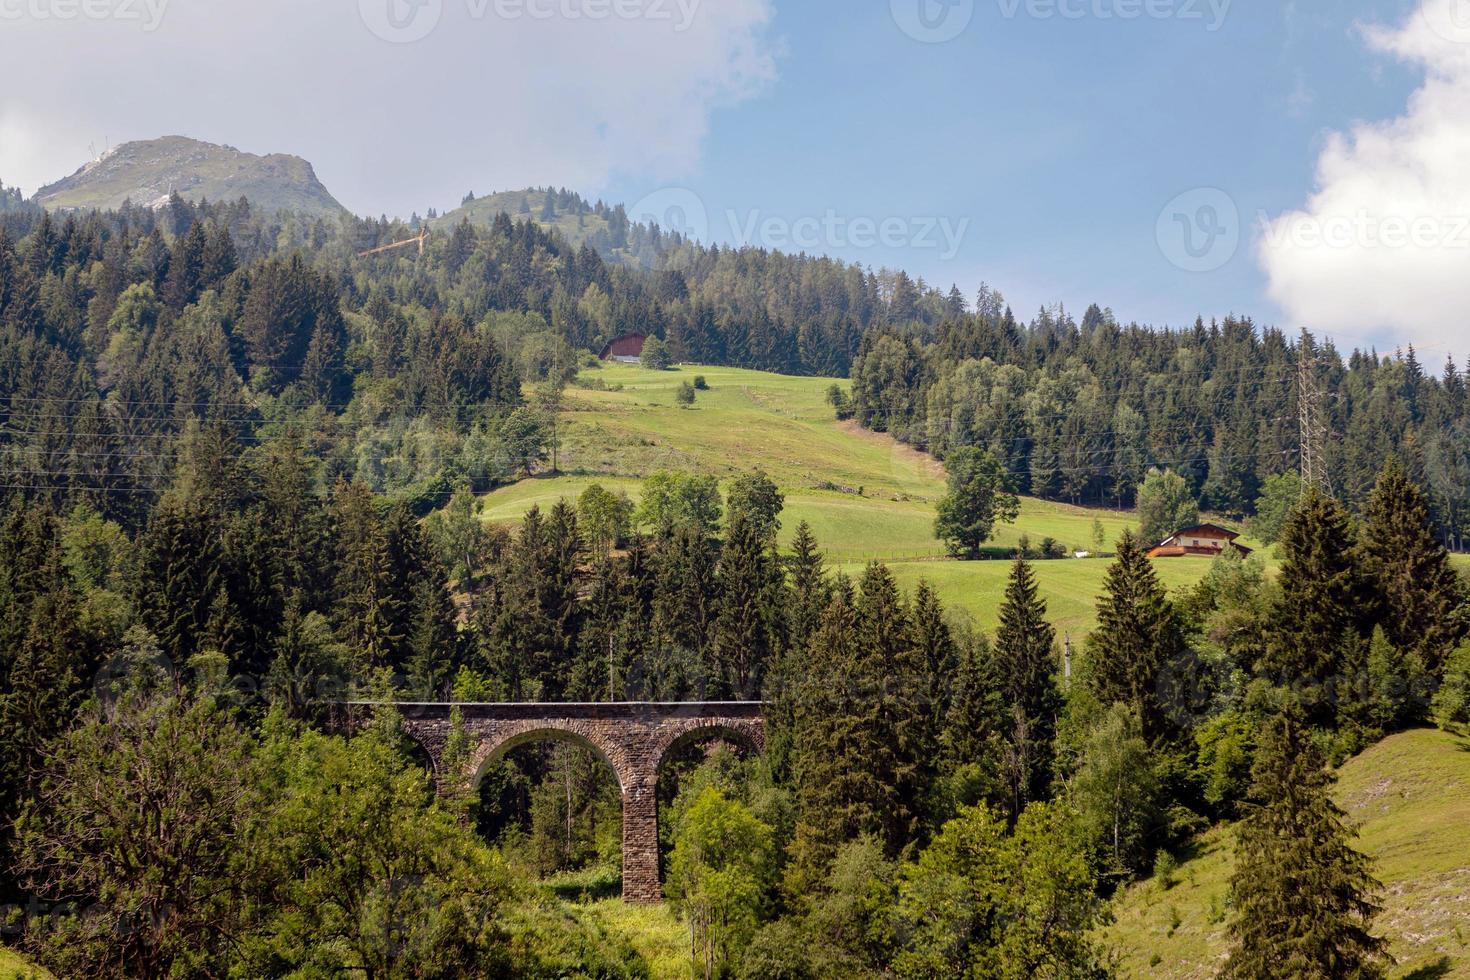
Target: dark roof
x=628 y=345
x=1225 y=532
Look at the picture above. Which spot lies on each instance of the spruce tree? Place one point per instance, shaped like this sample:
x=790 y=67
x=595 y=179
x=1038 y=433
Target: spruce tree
x=1424 y=602
x=835 y=788
x=1025 y=664
x=889 y=678
x=1318 y=624
x=1303 y=897
x=1138 y=638
x=180 y=577
x=937 y=655
x=185 y=269
x=685 y=601
x=810 y=591
x=864 y=742
x=367 y=610
x=744 y=634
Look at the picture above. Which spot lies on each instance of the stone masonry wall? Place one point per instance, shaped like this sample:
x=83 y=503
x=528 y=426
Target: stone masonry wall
x=633 y=739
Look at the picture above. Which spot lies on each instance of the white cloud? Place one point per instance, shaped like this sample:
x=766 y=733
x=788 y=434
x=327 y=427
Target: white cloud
x=500 y=93
x=1381 y=251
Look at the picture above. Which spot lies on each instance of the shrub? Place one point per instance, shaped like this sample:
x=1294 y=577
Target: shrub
x=656 y=355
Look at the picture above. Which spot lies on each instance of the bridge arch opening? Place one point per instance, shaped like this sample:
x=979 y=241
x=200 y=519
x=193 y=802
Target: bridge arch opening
x=632 y=747
x=551 y=799
x=493 y=754
x=723 y=750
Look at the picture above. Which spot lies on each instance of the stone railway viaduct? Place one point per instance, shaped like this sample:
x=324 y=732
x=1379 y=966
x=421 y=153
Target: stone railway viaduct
x=632 y=738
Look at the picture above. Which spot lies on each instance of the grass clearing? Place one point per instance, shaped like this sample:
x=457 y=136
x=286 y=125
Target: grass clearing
x=1409 y=796
x=630 y=427
x=13 y=966
x=653 y=930
x=1070 y=587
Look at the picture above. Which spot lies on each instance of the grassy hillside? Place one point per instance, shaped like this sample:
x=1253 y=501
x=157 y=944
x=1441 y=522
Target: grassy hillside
x=147 y=171
x=1410 y=796
x=13 y=966
x=866 y=496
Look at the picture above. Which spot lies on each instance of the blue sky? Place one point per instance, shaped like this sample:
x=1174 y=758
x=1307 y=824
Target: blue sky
x=1150 y=163
x=1061 y=140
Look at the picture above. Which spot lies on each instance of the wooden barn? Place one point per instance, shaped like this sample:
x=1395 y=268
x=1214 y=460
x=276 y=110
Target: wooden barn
x=1202 y=540
x=627 y=349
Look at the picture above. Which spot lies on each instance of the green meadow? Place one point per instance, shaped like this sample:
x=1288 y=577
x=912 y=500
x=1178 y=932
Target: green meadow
x=15 y=967
x=1409 y=796
x=866 y=497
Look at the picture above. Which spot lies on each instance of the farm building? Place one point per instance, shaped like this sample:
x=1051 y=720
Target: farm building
x=628 y=348
x=1203 y=540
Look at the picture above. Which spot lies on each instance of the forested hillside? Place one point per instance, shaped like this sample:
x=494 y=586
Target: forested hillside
x=1081 y=411
x=244 y=470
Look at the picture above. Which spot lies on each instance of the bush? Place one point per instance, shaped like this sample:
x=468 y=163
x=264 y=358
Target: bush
x=780 y=951
x=1166 y=870
x=840 y=402
x=656 y=355
x=700 y=384
x=685 y=395
x=1452 y=703
x=1165 y=505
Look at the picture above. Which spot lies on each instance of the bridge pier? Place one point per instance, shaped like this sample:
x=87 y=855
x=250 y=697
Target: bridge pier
x=641 y=884
x=633 y=739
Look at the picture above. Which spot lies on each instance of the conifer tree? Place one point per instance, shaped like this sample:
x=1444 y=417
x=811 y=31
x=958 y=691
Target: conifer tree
x=1303 y=897
x=219 y=257
x=45 y=655
x=744 y=630
x=937 y=655
x=1025 y=665
x=888 y=680
x=685 y=600
x=367 y=610
x=431 y=645
x=185 y=269
x=530 y=624
x=1138 y=637
x=810 y=591
x=180 y=577
x=862 y=742
x=835 y=789
x=1423 y=599
x=1318 y=623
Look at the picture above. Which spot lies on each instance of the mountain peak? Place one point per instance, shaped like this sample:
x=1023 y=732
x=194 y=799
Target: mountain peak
x=146 y=172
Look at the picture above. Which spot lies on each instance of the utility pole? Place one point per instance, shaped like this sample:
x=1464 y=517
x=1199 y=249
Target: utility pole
x=1309 y=418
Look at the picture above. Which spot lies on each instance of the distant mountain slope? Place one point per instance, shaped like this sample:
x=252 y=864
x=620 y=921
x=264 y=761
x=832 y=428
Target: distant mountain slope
x=1409 y=796
x=147 y=171
x=605 y=228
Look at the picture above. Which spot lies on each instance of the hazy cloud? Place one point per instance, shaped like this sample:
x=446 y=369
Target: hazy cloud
x=495 y=94
x=1381 y=250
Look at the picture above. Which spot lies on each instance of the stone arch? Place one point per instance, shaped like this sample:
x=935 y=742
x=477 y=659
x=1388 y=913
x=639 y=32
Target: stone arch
x=490 y=750
x=749 y=741
x=633 y=738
